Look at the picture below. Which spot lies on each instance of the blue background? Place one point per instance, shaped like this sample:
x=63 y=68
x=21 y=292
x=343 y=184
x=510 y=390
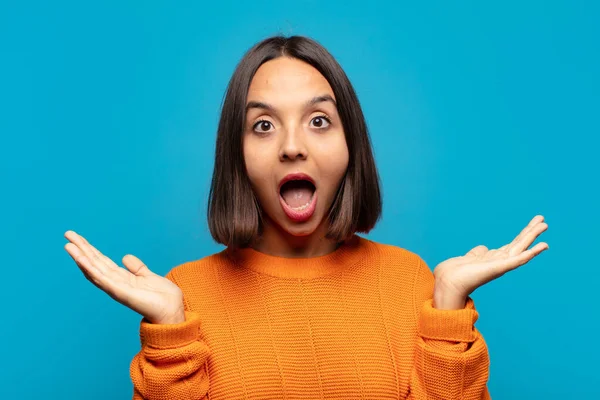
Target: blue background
x=481 y=116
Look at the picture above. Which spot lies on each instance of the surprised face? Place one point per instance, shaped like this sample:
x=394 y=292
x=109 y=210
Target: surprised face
x=295 y=149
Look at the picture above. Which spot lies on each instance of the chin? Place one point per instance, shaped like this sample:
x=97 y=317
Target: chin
x=300 y=232
x=304 y=229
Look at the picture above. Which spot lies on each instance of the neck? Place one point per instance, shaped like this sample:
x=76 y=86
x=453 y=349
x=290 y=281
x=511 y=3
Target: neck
x=277 y=242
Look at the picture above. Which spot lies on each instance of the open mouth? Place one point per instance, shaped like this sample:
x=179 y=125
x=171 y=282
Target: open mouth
x=297 y=194
x=298 y=199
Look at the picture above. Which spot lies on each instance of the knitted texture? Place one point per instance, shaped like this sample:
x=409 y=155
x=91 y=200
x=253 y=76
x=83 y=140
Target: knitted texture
x=357 y=323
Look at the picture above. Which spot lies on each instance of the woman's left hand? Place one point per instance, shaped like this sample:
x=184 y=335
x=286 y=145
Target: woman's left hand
x=457 y=278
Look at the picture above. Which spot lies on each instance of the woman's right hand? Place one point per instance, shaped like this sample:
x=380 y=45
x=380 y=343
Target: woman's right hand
x=156 y=298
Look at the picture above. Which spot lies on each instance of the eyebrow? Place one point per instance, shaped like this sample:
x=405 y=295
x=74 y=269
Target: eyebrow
x=311 y=102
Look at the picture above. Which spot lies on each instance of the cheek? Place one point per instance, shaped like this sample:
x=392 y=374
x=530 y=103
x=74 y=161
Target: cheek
x=333 y=159
x=251 y=160
x=257 y=167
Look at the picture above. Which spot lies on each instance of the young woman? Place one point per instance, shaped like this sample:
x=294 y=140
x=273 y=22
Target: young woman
x=298 y=306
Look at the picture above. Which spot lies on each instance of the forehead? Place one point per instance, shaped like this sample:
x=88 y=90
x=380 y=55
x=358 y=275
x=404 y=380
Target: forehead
x=286 y=78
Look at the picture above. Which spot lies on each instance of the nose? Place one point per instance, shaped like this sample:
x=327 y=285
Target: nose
x=293 y=146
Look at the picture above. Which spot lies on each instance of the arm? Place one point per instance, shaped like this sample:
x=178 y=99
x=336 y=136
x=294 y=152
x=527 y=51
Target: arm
x=172 y=361
x=451 y=357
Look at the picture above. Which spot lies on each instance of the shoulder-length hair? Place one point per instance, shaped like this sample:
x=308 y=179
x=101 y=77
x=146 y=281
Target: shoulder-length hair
x=234 y=214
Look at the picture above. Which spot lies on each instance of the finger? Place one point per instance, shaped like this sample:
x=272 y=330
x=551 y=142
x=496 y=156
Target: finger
x=136 y=266
x=534 y=221
x=526 y=241
x=502 y=266
x=106 y=280
x=100 y=257
x=90 y=271
x=527 y=255
x=83 y=244
x=478 y=251
x=101 y=262
x=87 y=249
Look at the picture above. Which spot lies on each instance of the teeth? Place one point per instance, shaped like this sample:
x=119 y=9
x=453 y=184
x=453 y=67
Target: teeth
x=301 y=207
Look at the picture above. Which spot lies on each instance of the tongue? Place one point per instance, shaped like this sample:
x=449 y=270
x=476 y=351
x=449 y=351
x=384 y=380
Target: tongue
x=297 y=193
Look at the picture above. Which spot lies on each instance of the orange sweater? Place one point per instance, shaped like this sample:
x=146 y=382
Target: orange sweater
x=356 y=323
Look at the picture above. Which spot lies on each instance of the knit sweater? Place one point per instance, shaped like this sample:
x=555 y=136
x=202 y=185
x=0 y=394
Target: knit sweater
x=355 y=323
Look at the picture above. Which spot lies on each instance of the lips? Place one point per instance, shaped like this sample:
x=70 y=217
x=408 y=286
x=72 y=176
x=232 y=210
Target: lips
x=303 y=213
x=299 y=176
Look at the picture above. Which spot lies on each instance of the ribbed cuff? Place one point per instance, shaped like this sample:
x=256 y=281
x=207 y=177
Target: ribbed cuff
x=450 y=325
x=170 y=335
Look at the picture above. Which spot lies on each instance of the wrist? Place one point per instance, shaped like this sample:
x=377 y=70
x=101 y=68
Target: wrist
x=177 y=318
x=445 y=301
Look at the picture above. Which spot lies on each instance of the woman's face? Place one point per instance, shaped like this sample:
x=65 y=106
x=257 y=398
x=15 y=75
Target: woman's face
x=292 y=127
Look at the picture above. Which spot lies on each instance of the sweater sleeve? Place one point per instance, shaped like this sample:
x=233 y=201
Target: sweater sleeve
x=172 y=361
x=451 y=356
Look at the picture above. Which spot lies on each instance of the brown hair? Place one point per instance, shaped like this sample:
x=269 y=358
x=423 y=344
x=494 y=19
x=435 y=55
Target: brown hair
x=234 y=220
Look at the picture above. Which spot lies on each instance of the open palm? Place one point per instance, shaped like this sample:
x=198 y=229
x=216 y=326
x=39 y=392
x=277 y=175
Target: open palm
x=460 y=276
x=153 y=296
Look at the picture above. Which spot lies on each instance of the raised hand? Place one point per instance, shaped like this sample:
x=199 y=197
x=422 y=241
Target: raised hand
x=458 y=277
x=156 y=298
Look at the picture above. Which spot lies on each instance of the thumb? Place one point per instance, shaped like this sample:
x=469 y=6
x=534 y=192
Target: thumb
x=136 y=266
x=477 y=251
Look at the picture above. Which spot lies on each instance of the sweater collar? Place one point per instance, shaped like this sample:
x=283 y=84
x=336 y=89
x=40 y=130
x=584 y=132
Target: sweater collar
x=346 y=255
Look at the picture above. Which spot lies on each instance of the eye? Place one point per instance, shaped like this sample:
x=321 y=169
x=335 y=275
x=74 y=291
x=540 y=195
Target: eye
x=262 y=126
x=321 y=121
